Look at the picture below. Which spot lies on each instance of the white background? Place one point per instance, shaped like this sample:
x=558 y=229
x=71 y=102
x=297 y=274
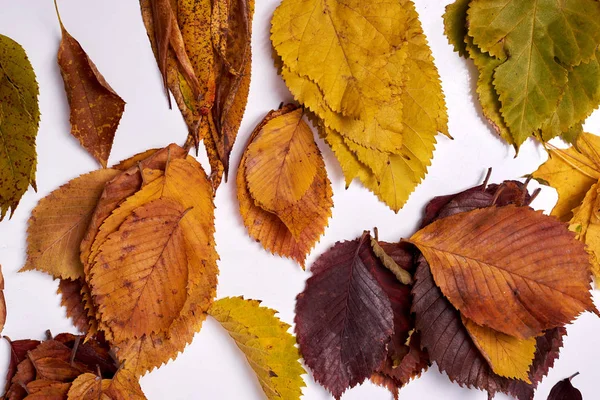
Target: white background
x=112 y=33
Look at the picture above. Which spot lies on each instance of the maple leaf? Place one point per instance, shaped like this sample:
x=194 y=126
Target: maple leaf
x=284 y=193
x=19 y=122
x=515 y=232
x=149 y=246
x=59 y=222
x=538 y=47
x=265 y=342
x=572 y=172
x=564 y=390
x=96 y=109
x=343 y=294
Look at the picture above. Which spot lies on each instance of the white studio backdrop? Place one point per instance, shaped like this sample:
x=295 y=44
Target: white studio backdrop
x=112 y=33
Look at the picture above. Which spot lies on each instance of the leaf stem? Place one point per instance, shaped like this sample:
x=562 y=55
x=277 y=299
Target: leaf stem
x=58 y=15
x=573 y=376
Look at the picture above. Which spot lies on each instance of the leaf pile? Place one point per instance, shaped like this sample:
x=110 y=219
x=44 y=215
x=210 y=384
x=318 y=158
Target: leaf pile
x=133 y=247
x=575 y=173
x=538 y=62
x=366 y=72
x=284 y=194
x=204 y=55
x=488 y=303
x=134 y=251
x=353 y=318
x=67 y=367
x=19 y=123
x=96 y=109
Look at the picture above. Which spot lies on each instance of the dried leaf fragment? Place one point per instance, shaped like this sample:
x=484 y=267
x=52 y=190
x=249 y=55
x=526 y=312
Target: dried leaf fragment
x=19 y=122
x=96 y=109
x=265 y=342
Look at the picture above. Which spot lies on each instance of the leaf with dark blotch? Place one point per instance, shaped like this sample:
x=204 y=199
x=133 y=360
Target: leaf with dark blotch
x=564 y=390
x=510 y=244
x=343 y=317
x=96 y=109
x=19 y=122
x=445 y=338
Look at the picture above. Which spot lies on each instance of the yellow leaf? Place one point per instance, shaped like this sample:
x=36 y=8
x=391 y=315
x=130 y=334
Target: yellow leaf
x=572 y=173
x=59 y=222
x=271 y=351
x=318 y=39
x=140 y=276
x=507 y=355
x=586 y=225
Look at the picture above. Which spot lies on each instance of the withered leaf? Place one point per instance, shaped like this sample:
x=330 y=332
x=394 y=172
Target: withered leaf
x=343 y=317
x=18 y=353
x=509 y=243
x=123 y=386
x=73 y=301
x=96 y=109
x=140 y=282
x=265 y=342
x=47 y=390
x=293 y=198
x=19 y=122
x=564 y=390
x=59 y=222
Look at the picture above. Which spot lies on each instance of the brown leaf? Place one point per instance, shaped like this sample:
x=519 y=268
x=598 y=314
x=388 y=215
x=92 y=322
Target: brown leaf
x=73 y=301
x=47 y=390
x=124 y=386
x=564 y=390
x=510 y=244
x=140 y=280
x=343 y=317
x=96 y=109
x=18 y=353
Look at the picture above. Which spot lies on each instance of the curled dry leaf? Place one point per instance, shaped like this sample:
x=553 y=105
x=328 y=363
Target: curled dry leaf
x=510 y=244
x=284 y=193
x=353 y=319
x=381 y=118
x=208 y=68
x=264 y=340
x=123 y=386
x=19 y=122
x=96 y=109
x=564 y=390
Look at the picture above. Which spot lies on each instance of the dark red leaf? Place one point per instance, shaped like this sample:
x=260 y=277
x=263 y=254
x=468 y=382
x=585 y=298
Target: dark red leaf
x=564 y=390
x=344 y=318
x=18 y=352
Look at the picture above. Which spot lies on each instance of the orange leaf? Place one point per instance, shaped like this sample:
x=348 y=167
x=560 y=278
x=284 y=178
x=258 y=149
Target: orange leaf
x=509 y=268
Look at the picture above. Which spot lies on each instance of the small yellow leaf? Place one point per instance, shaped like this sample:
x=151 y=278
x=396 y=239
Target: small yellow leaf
x=508 y=356
x=271 y=351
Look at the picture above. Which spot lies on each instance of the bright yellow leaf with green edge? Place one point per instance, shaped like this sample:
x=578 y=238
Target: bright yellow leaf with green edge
x=540 y=40
x=572 y=172
x=586 y=225
x=266 y=343
x=19 y=122
x=507 y=356
x=318 y=39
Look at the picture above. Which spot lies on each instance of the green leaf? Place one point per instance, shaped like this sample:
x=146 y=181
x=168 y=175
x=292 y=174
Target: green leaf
x=271 y=351
x=540 y=40
x=19 y=122
x=455 y=25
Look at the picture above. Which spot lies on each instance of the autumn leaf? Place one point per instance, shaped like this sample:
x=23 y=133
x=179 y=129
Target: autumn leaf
x=382 y=117
x=343 y=317
x=265 y=342
x=572 y=172
x=91 y=387
x=19 y=122
x=508 y=243
x=455 y=25
x=59 y=222
x=564 y=390
x=47 y=390
x=150 y=247
x=586 y=223
x=74 y=303
x=96 y=109
x=284 y=193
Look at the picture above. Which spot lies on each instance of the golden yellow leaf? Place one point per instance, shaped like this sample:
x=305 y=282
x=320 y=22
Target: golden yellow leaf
x=586 y=225
x=59 y=222
x=318 y=39
x=271 y=351
x=293 y=231
x=572 y=172
x=140 y=276
x=508 y=356
x=281 y=161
